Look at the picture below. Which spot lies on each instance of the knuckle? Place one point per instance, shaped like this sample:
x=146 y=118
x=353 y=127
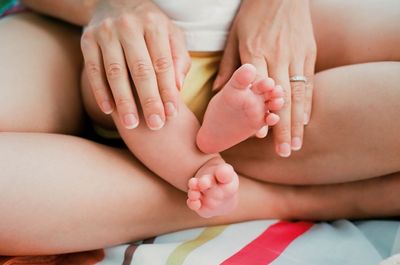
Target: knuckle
x=114 y=70
x=167 y=93
x=106 y=25
x=125 y=21
x=284 y=131
x=87 y=38
x=297 y=126
x=150 y=102
x=100 y=95
x=99 y=92
x=286 y=95
x=298 y=92
x=105 y=30
x=253 y=48
x=123 y=102
x=162 y=64
x=142 y=70
x=152 y=17
x=92 y=68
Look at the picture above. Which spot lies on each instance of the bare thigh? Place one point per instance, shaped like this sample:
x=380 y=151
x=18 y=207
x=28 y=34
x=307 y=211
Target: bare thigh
x=353 y=133
x=39 y=89
x=356 y=31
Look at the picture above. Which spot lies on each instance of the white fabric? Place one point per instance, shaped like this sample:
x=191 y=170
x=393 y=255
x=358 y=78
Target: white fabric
x=205 y=22
x=394 y=260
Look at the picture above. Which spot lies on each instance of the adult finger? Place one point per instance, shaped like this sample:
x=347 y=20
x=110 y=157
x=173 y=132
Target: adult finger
x=229 y=63
x=144 y=78
x=180 y=56
x=309 y=68
x=160 y=53
x=95 y=72
x=258 y=61
x=298 y=89
x=282 y=130
x=117 y=75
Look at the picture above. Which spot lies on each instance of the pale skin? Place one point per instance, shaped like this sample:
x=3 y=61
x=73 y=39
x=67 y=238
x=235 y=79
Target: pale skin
x=152 y=45
x=211 y=183
x=121 y=196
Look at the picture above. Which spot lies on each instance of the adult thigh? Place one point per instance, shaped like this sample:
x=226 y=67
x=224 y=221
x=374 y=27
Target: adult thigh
x=356 y=31
x=353 y=133
x=39 y=75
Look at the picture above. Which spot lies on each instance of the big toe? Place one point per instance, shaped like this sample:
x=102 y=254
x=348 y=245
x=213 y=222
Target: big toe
x=243 y=77
x=228 y=179
x=225 y=174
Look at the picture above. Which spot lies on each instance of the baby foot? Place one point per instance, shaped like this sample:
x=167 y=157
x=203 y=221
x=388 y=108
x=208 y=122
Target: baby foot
x=213 y=191
x=240 y=110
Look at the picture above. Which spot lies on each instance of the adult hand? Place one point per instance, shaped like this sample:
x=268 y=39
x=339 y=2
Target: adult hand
x=134 y=40
x=277 y=37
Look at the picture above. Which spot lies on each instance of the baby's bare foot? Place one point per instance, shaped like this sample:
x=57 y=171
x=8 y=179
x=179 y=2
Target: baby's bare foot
x=213 y=191
x=239 y=111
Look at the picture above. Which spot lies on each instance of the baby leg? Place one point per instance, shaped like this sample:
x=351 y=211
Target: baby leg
x=172 y=154
x=239 y=110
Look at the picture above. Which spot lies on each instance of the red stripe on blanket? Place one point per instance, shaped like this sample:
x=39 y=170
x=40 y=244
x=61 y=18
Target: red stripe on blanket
x=269 y=245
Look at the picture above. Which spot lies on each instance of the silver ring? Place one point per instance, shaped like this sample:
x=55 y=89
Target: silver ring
x=298 y=78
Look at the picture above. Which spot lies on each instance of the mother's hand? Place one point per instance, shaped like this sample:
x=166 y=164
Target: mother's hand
x=277 y=37
x=134 y=40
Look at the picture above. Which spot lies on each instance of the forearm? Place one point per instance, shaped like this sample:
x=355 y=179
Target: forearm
x=77 y=12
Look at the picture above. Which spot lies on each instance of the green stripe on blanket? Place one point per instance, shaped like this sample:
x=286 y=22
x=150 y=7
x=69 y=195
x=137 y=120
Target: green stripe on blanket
x=179 y=255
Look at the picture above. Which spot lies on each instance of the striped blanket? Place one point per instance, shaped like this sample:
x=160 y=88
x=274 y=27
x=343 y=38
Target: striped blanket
x=250 y=243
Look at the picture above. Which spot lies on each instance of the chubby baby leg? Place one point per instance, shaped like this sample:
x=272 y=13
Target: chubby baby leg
x=239 y=110
x=172 y=154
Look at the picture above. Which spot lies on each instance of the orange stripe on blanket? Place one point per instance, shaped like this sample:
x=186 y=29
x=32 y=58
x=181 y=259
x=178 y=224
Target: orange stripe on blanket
x=269 y=245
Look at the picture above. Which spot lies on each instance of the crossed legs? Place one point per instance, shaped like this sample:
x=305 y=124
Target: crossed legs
x=107 y=197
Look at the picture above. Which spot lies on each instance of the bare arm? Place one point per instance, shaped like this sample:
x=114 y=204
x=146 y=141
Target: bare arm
x=77 y=12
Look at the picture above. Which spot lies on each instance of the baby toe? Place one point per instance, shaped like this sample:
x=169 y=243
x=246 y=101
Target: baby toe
x=193 y=205
x=275 y=104
x=193 y=184
x=205 y=182
x=194 y=195
x=263 y=86
x=224 y=174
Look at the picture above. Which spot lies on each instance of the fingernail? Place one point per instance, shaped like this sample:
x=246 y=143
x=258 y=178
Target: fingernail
x=106 y=107
x=284 y=150
x=130 y=121
x=170 y=109
x=296 y=143
x=155 y=122
x=306 y=119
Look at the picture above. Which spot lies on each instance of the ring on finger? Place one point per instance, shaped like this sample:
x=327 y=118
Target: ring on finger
x=298 y=78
